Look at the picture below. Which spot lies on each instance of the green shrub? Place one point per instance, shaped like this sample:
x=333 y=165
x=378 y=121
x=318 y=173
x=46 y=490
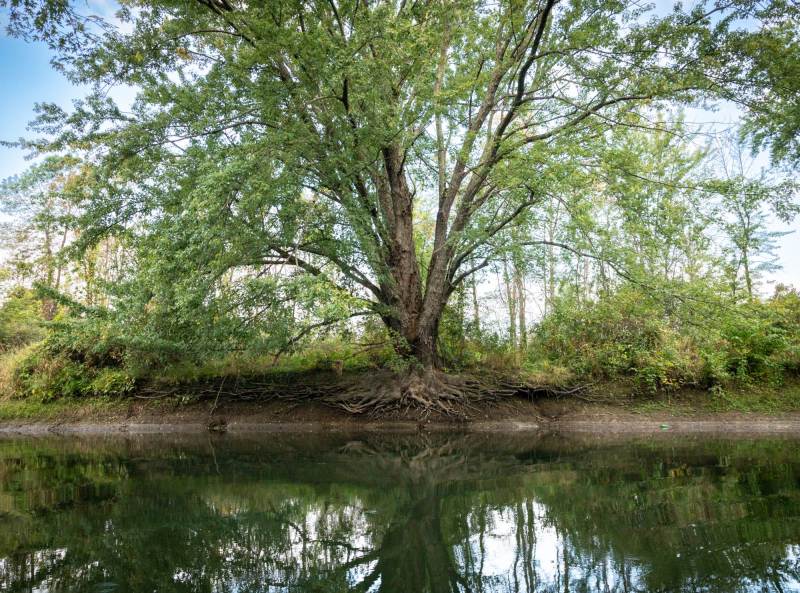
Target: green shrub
x=111 y=382
x=77 y=358
x=754 y=341
x=658 y=343
x=625 y=335
x=20 y=319
x=45 y=377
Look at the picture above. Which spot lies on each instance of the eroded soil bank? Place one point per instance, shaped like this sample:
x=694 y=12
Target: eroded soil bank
x=546 y=414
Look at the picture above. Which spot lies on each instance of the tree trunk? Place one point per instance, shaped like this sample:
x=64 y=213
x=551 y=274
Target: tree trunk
x=402 y=289
x=519 y=282
x=511 y=302
x=414 y=306
x=748 y=281
x=412 y=339
x=476 y=318
x=423 y=349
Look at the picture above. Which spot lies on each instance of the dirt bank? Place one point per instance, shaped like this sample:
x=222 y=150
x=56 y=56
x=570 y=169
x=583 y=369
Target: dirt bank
x=512 y=416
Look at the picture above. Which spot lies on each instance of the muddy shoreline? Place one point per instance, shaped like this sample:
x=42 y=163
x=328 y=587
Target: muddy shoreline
x=515 y=417
x=721 y=427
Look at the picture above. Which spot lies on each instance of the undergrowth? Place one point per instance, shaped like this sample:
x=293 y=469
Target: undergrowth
x=743 y=357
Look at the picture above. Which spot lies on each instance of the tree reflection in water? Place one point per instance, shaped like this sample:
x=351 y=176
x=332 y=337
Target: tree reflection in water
x=398 y=514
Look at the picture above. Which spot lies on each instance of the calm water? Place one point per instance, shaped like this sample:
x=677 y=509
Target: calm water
x=399 y=514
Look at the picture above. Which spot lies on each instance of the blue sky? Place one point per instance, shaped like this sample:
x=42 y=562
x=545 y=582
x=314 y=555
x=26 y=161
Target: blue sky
x=26 y=77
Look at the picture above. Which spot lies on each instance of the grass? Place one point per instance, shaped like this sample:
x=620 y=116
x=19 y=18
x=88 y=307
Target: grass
x=547 y=373
x=754 y=398
x=769 y=399
x=62 y=409
x=325 y=355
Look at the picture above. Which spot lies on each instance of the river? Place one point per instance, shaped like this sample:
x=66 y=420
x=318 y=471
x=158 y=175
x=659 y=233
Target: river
x=399 y=513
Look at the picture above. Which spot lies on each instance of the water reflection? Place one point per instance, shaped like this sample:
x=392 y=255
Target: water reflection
x=398 y=514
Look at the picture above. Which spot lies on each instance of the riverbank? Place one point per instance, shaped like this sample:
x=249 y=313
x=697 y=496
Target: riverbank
x=770 y=410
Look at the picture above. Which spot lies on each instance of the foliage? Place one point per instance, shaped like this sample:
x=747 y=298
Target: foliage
x=659 y=343
x=100 y=352
x=764 y=343
x=42 y=376
x=78 y=357
x=388 y=151
x=20 y=319
x=745 y=212
x=623 y=335
x=320 y=185
x=770 y=55
x=39 y=207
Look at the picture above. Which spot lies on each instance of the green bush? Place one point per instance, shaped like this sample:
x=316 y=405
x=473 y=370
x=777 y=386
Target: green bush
x=43 y=376
x=20 y=319
x=78 y=357
x=111 y=382
x=761 y=340
x=623 y=335
x=658 y=343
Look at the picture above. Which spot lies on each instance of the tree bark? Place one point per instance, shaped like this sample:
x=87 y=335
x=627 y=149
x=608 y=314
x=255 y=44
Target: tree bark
x=413 y=339
x=747 y=278
x=476 y=318
x=511 y=303
x=412 y=316
x=519 y=281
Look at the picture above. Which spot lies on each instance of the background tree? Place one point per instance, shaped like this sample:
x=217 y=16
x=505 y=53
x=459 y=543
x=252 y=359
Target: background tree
x=747 y=207
x=39 y=207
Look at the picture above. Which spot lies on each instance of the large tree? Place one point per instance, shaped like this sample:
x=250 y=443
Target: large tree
x=314 y=133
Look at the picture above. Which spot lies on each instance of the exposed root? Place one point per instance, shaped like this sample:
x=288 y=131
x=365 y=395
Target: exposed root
x=419 y=393
x=424 y=393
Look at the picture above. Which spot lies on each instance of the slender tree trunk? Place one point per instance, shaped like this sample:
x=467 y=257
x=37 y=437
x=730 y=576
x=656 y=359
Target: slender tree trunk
x=48 y=304
x=551 y=278
x=519 y=284
x=90 y=275
x=585 y=278
x=511 y=302
x=476 y=318
x=748 y=280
